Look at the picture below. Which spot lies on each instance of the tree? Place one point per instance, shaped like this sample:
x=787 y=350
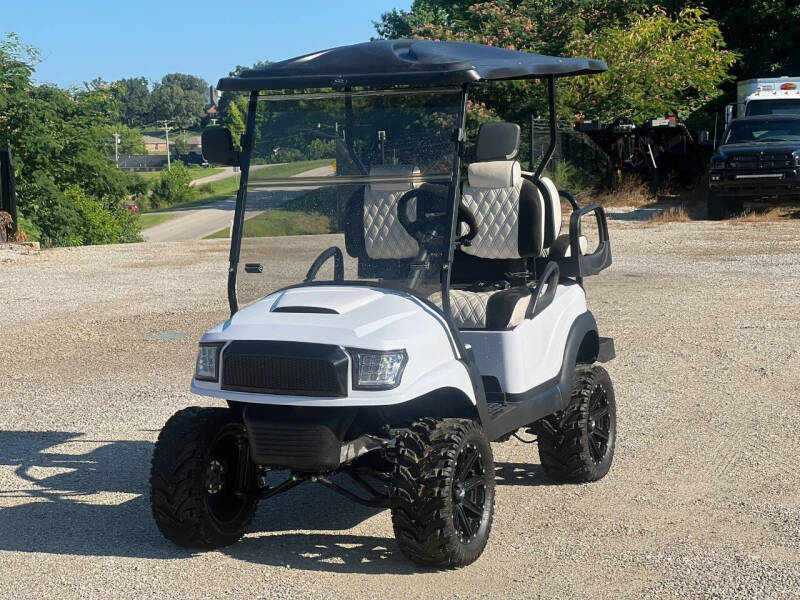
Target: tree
x=180 y=145
x=135 y=103
x=57 y=137
x=658 y=66
x=181 y=99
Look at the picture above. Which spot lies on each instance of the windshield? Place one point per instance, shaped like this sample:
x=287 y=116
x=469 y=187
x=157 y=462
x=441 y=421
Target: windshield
x=331 y=174
x=768 y=130
x=773 y=107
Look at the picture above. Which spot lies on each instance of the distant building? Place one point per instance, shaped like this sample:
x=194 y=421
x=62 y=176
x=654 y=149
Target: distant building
x=154 y=144
x=195 y=144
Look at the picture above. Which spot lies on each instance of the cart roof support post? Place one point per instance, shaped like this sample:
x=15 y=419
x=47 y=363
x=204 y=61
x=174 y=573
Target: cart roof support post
x=551 y=96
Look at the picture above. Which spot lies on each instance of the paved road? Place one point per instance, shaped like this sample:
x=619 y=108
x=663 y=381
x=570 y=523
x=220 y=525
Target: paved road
x=197 y=222
x=228 y=172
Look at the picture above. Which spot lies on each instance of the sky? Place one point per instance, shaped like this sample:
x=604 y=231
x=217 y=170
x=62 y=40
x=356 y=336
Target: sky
x=82 y=40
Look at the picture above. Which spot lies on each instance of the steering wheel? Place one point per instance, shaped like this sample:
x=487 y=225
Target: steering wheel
x=338 y=264
x=435 y=197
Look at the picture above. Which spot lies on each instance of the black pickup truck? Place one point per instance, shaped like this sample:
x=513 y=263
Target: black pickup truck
x=759 y=159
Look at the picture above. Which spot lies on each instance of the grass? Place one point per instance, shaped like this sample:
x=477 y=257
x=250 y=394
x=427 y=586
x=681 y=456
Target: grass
x=274 y=223
x=765 y=215
x=227 y=187
x=195 y=172
x=631 y=191
x=151 y=220
x=287 y=169
x=673 y=214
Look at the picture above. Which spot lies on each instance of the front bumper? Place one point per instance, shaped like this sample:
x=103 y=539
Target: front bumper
x=754 y=184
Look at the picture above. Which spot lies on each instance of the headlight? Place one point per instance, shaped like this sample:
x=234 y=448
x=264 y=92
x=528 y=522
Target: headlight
x=373 y=370
x=718 y=163
x=797 y=160
x=207 y=367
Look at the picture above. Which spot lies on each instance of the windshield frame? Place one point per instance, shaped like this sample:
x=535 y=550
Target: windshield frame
x=459 y=141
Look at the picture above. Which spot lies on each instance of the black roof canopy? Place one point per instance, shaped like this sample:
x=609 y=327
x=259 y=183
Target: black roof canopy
x=406 y=62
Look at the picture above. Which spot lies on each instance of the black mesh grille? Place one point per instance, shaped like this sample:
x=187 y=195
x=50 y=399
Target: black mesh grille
x=760 y=161
x=285 y=368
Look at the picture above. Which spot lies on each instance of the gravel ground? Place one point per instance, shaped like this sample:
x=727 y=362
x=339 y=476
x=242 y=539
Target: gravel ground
x=702 y=501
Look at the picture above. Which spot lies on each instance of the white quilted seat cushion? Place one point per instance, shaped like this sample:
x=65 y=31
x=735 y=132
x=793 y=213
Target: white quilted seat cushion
x=492 y=194
x=468 y=308
x=384 y=235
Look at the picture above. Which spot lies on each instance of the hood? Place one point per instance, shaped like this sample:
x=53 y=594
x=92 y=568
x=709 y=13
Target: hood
x=348 y=316
x=756 y=147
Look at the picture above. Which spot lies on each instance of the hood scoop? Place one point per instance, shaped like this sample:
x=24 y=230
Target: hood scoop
x=322 y=299
x=319 y=310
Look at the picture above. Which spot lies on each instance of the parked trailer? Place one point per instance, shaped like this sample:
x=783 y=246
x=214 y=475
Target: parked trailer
x=654 y=150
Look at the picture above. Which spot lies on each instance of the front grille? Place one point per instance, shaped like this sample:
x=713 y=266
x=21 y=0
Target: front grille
x=296 y=446
x=292 y=368
x=760 y=161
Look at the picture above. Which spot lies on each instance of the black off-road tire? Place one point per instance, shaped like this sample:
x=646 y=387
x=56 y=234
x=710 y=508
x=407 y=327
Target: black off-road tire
x=193 y=454
x=444 y=471
x=571 y=442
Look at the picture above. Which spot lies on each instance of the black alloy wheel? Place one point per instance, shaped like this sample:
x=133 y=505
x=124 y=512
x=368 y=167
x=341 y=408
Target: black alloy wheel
x=599 y=423
x=469 y=493
x=442 y=492
x=202 y=481
x=577 y=444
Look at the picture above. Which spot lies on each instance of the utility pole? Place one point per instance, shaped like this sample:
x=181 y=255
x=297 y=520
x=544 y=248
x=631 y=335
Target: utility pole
x=166 y=131
x=116 y=148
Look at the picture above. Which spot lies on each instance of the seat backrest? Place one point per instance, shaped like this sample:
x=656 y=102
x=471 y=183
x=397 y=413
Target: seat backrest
x=509 y=210
x=552 y=210
x=384 y=235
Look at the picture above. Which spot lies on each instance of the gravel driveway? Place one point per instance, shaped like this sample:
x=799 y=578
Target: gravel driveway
x=703 y=500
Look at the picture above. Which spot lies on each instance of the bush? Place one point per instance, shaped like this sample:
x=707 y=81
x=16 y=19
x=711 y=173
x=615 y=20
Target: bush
x=172 y=187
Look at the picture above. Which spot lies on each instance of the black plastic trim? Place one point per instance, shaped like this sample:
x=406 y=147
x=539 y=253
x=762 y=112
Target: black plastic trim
x=334 y=355
x=522 y=409
x=319 y=310
x=606 y=351
x=583 y=265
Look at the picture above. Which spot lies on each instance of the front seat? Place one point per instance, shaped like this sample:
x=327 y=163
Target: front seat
x=509 y=212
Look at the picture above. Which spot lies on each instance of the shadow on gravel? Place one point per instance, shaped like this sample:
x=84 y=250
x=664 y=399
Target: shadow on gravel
x=336 y=553
x=520 y=474
x=52 y=503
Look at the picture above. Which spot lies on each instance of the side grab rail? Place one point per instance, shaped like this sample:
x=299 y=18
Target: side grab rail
x=550 y=277
x=338 y=264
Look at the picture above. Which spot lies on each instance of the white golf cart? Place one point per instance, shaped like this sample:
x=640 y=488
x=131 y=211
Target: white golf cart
x=401 y=295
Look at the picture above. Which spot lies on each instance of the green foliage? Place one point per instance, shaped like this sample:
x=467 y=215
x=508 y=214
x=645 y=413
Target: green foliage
x=762 y=32
x=658 y=65
x=135 y=104
x=180 y=144
x=95 y=224
x=233 y=110
x=181 y=99
x=318 y=149
x=60 y=142
x=32 y=233
x=130 y=140
x=172 y=187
